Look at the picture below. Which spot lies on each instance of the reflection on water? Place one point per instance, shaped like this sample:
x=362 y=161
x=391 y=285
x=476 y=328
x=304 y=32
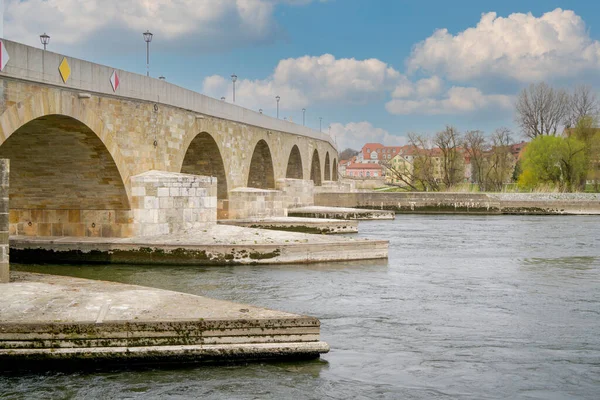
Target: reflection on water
x=466 y=307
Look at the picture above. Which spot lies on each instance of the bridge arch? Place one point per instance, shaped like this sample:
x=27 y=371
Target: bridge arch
x=294 y=166
x=335 y=169
x=64 y=104
x=315 y=168
x=203 y=157
x=63 y=181
x=327 y=167
x=68 y=176
x=261 y=174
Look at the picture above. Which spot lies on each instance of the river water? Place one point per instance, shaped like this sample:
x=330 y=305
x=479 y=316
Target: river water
x=466 y=307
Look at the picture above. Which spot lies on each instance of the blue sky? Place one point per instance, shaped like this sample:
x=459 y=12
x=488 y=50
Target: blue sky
x=373 y=69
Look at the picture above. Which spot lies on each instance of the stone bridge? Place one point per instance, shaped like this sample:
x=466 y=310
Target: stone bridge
x=96 y=151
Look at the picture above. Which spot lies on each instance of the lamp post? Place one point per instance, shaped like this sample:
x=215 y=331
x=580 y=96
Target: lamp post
x=304 y=116
x=162 y=78
x=147 y=39
x=260 y=110
x=277 y=98
x=223 y=98
x=45 y=39
x=320 y=123
x=233 y=79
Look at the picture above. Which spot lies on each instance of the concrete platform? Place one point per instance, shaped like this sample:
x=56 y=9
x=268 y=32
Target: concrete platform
x=46 y=318
x=340 y=213
x=297 y=224
x=220 y=245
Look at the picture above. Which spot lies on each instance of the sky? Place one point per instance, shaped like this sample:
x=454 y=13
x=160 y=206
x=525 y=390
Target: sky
x=373 y=70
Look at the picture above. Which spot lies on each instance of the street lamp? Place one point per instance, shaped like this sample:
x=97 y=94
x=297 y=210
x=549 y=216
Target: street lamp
x=304 y=116
x=45 y=39
x=223 y=98
x=260 y=110
x=162 y=78
x=147 y=39
x=277 y=98
x=320 y=121
x=233 y=79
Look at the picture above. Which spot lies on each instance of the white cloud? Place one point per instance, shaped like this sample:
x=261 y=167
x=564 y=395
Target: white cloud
x=356 y=134
x=458 y=100
x=193 y=22
x=521 y=46
x=309 y=79
x=422 y=88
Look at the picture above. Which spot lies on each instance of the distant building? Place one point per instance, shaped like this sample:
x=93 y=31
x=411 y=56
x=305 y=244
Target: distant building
x=376 y=152
x=364 y=170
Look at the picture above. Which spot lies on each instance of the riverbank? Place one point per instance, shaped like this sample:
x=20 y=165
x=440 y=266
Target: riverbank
x=46 y=319
x=467 y=203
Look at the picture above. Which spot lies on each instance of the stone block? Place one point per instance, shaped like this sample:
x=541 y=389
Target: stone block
x=74 y=229
x=74 y=216
x=44 y=229
x=57 y=229
x=138 y=191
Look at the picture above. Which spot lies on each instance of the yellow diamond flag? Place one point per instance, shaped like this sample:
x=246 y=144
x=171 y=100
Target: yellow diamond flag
x=65 y=70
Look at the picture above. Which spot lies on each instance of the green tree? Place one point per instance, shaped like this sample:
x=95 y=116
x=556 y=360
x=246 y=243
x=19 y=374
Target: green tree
x=587 y=131
x=554 y=160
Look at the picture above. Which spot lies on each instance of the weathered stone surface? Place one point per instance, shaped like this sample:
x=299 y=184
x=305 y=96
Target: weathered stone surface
x=219 y=245
x=4 y=220
x=51 y=318
x=295 y=224
x=296 y=192
x=256 y=203
x=167 y=202
x=343 y=213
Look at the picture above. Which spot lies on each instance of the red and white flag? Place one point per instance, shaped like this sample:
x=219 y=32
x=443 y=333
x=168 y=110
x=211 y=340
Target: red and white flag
x=3 y=56
x=114 y=81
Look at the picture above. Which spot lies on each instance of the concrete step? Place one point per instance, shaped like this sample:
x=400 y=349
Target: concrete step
x=45 y=318
x=219 y=245
x=297 y=224
x=341 y=213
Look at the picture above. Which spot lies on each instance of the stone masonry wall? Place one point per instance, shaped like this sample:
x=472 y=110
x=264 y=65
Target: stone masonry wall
x=166 y=202
x=336 y=186
x=4 y=260
x=296 y=192
x=477 y=203
x=256 y=203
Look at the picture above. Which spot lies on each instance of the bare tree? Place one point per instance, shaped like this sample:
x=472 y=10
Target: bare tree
x=500 y=160
x=583 y=103
x=449 y=142
x=541 y=110
x=417 y=168
x=476 y=148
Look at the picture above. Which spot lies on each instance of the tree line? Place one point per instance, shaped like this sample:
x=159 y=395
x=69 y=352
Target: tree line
x=450 y=158
x=563 y=152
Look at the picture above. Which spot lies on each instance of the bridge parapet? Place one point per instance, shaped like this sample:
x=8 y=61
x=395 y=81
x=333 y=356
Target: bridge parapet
x=40 y=66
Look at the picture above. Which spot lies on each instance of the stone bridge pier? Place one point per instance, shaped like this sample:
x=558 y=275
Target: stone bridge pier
x=96 y=151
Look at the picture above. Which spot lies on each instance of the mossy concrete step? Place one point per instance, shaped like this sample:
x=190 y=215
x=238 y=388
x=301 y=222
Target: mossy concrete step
x=297 y=224
x=45 y=318
x=219 y=245
x=341 y=213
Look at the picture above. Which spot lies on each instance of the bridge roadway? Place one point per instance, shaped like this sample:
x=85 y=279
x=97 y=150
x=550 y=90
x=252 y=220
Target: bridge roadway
x=77 y=133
